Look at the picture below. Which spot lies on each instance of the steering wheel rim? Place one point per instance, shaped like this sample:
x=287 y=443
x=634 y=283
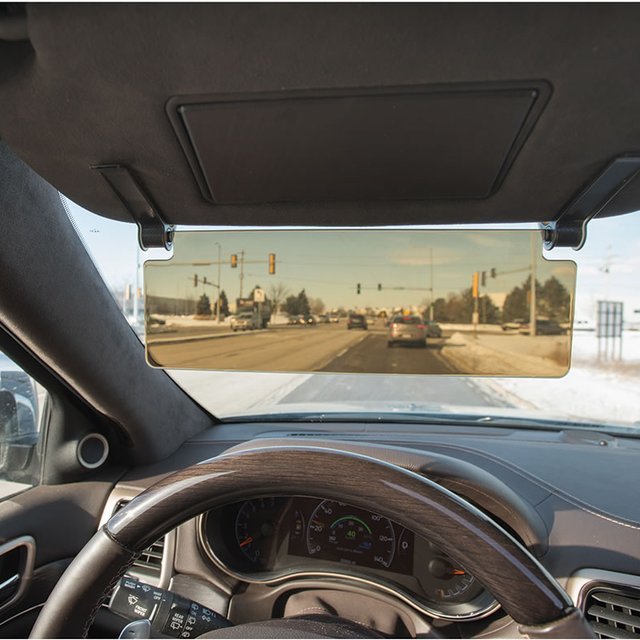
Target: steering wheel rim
x=514 y=577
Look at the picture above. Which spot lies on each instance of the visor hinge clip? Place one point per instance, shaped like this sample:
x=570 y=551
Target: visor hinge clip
x=153 y=232
x=569 y=229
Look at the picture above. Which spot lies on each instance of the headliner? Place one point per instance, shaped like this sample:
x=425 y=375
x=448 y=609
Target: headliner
x=92 y=85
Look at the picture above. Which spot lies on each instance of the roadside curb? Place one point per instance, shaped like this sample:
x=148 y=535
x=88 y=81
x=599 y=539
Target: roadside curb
x=206 y=336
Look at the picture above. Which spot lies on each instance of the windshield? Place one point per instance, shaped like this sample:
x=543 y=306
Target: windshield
x=601 y=387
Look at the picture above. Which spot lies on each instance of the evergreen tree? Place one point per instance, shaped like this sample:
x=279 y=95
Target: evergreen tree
x=297 y=305
x=555 y=300
x=303 y=303
x=203 y=307
x=224 y=305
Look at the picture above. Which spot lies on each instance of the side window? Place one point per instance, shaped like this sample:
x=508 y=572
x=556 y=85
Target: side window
x=21 y=404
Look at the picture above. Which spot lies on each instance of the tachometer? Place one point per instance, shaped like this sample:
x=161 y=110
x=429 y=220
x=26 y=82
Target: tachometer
x=344 y=534
x=256 y=524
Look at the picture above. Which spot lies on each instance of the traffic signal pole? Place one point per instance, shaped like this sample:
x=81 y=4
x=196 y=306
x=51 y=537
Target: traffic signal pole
x=475 y=291
x=241 y=271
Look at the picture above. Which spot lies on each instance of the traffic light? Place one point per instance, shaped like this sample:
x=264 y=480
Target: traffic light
x=476 y=278
x=234 y=260
x=272 y=263
x=195 y=279
x=379 y=287
x=358 y=288
x=493 y=272
x=204 y=280
x=483 y=279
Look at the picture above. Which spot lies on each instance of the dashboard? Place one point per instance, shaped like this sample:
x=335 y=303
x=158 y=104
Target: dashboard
x=266 y=539
x=563 y=494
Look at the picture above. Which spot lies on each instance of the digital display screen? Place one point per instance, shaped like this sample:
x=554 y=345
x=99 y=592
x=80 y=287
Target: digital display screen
x=336 y=532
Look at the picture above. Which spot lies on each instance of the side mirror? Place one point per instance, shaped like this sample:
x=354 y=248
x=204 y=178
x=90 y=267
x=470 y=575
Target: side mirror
x=18 y=430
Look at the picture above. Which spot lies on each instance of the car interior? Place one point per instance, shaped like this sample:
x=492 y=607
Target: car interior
x=133 y=506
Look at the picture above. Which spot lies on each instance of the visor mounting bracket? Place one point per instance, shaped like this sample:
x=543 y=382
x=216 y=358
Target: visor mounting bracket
x=569 y=229
x=153 y=232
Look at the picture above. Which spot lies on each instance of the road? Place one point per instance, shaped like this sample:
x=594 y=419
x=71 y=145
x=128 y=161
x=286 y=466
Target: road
x=394 y=391
x=373 y=355
x=296 y=348
x=302 y=348
x=325 y=348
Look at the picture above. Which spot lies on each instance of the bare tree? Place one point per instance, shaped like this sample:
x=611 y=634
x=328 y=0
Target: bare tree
x=277 y=294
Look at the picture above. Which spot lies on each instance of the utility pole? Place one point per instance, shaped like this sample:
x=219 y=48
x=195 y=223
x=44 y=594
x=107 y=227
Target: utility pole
x=218 y=301
x=431 y=278
x=532 y=296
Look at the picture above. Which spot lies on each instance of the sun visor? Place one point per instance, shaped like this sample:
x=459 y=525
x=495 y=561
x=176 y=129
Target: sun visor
x=406 y=143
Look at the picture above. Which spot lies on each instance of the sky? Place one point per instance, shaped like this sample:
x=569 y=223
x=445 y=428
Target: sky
x=608 y=264
x=330 y=264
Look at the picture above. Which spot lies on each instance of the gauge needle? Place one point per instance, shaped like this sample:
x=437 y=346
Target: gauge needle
x=458 y=572
x=246 y=541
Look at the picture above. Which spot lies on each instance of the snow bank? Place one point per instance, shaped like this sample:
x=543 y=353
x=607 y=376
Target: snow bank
x=606 y=390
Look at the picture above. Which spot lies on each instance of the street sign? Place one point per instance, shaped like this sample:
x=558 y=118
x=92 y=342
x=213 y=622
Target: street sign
x=259 y=295
x=609 y=319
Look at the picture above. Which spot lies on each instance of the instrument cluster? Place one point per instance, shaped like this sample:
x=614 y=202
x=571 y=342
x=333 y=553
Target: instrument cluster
x=268 y=539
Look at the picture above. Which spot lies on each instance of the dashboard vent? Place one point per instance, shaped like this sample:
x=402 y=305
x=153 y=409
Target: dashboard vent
x=150 y=560
x=149 y=563
x=613 y=614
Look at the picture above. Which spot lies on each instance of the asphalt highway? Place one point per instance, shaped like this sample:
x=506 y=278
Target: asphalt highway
x=302 y=348
x=280 y=348
x=372 y=355
x=334 y=352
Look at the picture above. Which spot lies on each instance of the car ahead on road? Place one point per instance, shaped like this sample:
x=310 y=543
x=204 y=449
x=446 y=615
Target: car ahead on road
x=357 y=321
x=407 y=330
x=433 y=329
x=245 y=321
x=513 y=325
x=543 y=328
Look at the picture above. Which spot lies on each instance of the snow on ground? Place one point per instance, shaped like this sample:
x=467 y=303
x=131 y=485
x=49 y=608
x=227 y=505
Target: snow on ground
x=602 y=389
x=585 y=348
x=191 y=321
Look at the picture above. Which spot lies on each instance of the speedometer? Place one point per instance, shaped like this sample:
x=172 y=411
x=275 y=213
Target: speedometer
x=347 y=535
